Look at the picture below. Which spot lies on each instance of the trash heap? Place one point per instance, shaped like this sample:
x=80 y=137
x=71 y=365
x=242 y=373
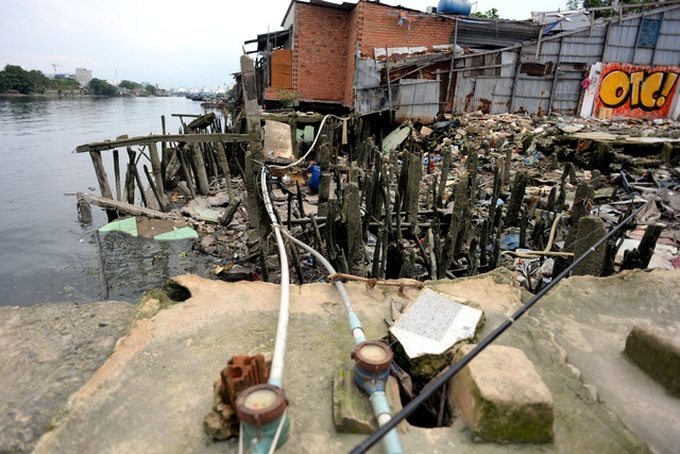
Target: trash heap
x=474 y=193
x=459 y=197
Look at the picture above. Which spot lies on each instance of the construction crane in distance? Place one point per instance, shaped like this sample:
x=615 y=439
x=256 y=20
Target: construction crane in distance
x=54 y=65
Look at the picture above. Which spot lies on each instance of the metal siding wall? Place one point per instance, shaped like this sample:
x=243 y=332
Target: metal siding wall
x=465 y=88
x=532 y=94
x=418 y=100
x=483 y=97
x=567 y=93
x=367 y=74
x=502 y=95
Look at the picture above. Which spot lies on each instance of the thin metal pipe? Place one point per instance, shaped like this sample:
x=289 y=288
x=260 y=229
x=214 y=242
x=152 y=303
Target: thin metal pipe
x=276 y=373
x=445 y=377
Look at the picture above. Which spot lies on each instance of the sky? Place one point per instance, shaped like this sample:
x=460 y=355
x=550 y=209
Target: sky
x=175 y=44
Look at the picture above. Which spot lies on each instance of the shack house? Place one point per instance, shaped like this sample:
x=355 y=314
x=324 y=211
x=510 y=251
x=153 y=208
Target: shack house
x=368 y=57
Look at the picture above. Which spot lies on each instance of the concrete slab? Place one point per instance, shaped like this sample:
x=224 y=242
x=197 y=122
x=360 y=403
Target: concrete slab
x=48 y=352
x=153 y=392
x=591 y=319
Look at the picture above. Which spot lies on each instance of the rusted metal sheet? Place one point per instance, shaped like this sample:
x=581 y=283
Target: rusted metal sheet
x=483 y=96
x=418 y=100
x=367 y=74
x=372 y=100
x=502 y=95
x=465 y=88
x=532 y=95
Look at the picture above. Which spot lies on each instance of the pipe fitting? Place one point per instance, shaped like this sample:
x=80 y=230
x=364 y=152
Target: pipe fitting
x=262 y=412
x=372 y=365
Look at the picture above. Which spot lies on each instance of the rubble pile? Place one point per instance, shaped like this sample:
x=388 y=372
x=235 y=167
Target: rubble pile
x=459 y=197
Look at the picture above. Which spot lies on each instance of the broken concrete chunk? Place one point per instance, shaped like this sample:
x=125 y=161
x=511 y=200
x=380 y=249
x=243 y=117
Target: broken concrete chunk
x=656 y=350
x=352 y=411
x=501 y=397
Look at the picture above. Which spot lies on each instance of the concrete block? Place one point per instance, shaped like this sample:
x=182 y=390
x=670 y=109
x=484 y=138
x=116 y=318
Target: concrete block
x=352 y=411
x=656 y=350
x=501 y=397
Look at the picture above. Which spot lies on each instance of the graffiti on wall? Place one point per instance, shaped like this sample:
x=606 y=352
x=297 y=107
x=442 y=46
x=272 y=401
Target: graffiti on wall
x=634 y=91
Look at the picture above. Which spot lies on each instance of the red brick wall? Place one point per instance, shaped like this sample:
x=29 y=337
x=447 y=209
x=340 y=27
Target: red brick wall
x=326 y=39
x=319 y=54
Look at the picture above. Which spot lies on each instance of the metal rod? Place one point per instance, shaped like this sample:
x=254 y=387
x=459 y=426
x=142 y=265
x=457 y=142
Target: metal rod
x=455 y=368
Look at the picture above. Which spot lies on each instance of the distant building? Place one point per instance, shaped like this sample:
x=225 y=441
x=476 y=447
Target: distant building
x=83 y=76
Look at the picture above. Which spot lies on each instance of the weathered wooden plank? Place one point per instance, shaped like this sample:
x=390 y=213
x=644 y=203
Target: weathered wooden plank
x=154 y=138
x=122 y=207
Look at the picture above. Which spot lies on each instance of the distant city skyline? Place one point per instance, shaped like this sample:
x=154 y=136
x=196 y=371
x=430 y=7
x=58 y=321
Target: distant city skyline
x=167 y=43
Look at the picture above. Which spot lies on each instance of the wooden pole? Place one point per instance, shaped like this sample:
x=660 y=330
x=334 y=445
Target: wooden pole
x=116 y=169
x=224 y=166
x=103 y=181
x=155 y=190
x=127 y=208
x=156 y=167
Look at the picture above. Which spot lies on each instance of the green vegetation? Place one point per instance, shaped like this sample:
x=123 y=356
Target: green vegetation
x=102 y=88
x=16 y=79
x=490 y=14
x=132 y=86
x=150 y=89
x=578 y=4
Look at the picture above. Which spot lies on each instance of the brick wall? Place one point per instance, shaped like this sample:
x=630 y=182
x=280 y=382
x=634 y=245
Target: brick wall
x=326 y=41
x=320 y=39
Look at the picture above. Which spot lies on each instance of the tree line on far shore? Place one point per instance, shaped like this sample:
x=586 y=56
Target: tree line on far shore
x=15 y=79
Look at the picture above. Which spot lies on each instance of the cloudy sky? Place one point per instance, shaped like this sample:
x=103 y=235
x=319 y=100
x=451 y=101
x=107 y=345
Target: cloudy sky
x=188 y=43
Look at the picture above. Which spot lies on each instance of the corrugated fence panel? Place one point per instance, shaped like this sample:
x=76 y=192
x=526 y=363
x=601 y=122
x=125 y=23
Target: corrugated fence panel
x=483 y=97
x=418 y=100
x=532 y=95
x=502 y=95
x=465 y=88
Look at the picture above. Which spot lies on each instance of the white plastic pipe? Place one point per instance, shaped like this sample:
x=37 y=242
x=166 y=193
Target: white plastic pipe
x=276 y=373
x=354 y=323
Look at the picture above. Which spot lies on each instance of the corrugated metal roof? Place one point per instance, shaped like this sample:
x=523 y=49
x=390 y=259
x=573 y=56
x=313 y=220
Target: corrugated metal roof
x=493 y=34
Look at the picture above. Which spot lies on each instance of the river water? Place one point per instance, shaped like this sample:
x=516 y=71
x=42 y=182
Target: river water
x=46 y=255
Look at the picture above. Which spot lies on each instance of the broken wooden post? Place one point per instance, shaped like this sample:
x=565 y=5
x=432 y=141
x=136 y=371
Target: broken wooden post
x=355 y=245
x=583 y=201
x=590 y=231
x=508 y=166
x=155 y=190
x=254 y=157
x=648 y=243
x=116 y=170
x=230 y=211
x=446 y=164
x=224 y=166
x=519 y=187
x=456 y=226
x=198 y=165
x=186 y=171
x=323 y=156
x=83 y=208
x=103 y=180
x=414 y=175
x=156 y=168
